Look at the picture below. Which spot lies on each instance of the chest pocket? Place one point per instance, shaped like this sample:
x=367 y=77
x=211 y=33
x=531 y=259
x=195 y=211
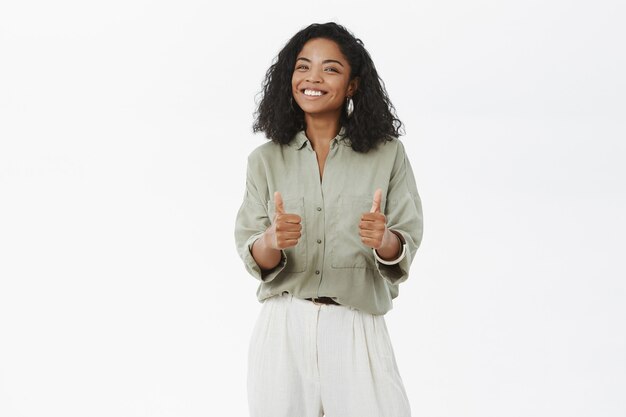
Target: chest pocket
x=347 y=250
x=296 y=255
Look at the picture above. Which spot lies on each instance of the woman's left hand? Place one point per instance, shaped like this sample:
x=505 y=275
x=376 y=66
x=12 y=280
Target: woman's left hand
x=374 y=232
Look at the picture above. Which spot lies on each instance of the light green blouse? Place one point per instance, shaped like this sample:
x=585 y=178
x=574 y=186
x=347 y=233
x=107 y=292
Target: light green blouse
x=330 y=259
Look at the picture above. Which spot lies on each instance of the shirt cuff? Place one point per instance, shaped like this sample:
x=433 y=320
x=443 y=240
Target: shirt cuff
x=395 y=261
x=254 y=269
x=398 y=270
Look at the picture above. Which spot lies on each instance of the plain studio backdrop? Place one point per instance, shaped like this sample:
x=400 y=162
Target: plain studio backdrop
x=124 y=132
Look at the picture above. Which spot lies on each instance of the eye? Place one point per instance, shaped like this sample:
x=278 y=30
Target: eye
x=302 y=66
x=332 y=69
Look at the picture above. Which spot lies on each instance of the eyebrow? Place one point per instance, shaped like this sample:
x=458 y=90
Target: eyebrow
x=326 y=61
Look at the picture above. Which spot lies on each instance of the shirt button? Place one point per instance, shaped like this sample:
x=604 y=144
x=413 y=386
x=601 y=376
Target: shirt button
x=319 y=209
x=319 y=240
x=317 y=272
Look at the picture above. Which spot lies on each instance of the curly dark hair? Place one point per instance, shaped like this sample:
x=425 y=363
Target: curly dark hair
x=373 y=119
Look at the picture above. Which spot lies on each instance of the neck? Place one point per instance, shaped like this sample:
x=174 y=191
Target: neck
x=321 y=129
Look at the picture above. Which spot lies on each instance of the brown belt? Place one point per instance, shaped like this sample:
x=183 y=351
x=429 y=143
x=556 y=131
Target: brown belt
x=323 y=300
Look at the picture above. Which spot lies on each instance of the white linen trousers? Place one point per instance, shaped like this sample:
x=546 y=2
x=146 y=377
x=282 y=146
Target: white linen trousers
x=312 y=360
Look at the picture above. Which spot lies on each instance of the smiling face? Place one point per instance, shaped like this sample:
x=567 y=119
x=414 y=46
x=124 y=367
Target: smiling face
x=321 y=78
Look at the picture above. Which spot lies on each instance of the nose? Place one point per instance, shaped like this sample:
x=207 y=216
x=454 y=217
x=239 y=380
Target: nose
x=313 y=76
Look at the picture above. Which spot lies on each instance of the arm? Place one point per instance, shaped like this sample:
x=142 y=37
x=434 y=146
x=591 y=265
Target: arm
x=404 y=219
x=388 y=246
x=265 y=256
x=252 y=221
x=284 y=232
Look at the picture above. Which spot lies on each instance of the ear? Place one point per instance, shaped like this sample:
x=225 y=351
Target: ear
x=353 y=85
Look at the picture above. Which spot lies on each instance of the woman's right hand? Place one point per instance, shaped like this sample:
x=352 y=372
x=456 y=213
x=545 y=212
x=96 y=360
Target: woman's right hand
x=285 y=230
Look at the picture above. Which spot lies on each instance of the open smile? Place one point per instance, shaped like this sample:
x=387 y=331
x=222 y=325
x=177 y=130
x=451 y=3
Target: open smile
x=311 y=93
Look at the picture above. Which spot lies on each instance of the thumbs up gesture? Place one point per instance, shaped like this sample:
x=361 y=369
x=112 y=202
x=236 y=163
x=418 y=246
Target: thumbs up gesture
x=373 y=225
x=286 y=229
x=375 y=234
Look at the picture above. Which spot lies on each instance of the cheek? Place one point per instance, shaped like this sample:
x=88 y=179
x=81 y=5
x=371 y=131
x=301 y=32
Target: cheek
x=295 y=80
x=340 y=90
x=294 y=87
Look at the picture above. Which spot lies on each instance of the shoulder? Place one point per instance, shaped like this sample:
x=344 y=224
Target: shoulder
x=391 y=153
x=397 y=147
x=395 y=143
x=264 y=151
x=393 y=147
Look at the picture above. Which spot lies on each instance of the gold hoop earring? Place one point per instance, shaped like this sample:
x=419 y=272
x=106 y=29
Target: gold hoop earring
x=349 y=106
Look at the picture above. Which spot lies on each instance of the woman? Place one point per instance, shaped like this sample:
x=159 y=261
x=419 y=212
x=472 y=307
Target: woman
x=330 y=222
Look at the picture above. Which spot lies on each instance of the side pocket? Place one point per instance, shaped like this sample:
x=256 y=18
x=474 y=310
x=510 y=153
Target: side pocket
x=296 y=255
x=384 y=346
x=347 y=250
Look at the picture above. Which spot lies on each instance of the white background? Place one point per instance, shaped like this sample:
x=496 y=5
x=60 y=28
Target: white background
x=124 y=131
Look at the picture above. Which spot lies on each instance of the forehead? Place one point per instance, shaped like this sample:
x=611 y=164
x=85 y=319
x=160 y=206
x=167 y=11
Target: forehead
x=322 y=48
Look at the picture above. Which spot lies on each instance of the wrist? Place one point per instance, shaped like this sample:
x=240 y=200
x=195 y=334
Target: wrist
x=265 y=241
x=399 y=251
x=391 y=247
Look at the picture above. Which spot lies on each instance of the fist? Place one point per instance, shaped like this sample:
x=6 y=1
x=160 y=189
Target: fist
x=373 y=225
x=286 y=229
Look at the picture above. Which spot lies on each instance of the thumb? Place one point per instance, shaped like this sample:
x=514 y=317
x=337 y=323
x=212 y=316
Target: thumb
x=377 y=197
x=278 y=201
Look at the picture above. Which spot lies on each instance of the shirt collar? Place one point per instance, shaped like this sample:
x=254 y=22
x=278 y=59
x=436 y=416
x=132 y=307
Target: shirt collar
x=300 y=139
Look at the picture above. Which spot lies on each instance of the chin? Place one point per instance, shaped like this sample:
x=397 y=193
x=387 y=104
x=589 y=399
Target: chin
x=313 y=109
x=309 y=109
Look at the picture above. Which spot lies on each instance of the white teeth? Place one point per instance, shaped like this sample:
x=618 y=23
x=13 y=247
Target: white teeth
x=312 y=93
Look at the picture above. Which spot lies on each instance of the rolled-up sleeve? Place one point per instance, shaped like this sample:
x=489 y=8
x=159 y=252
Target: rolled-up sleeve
x=251 y=222
x=404 y=215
